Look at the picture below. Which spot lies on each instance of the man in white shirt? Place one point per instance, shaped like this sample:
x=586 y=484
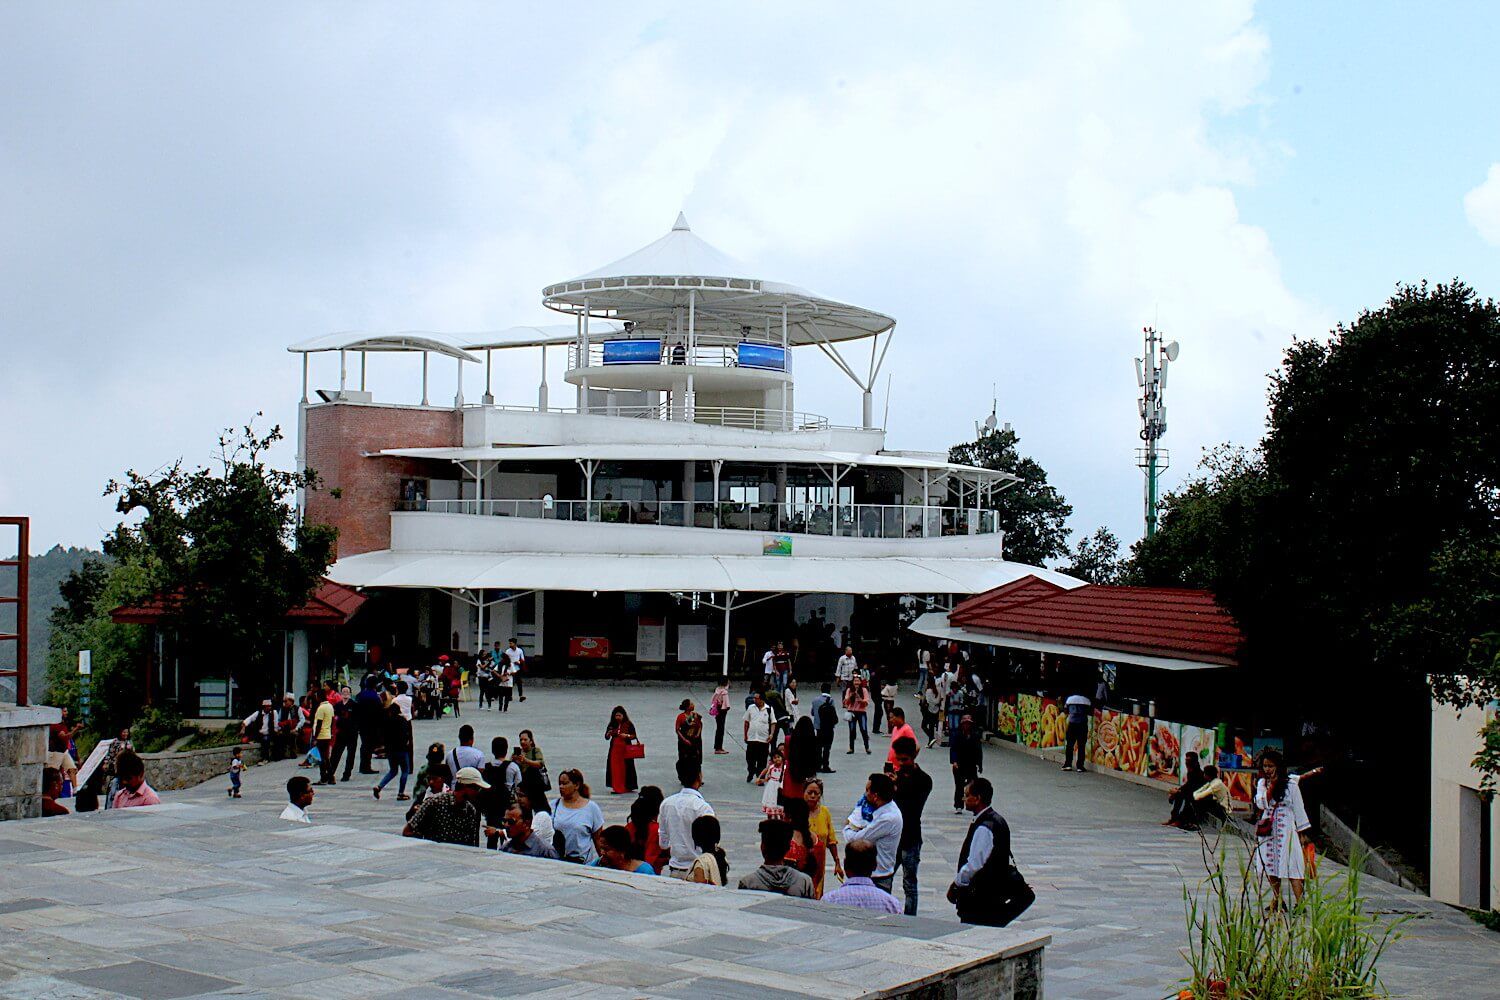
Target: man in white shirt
x=403 y=699
x=515 y=659
x=844 y=671
x=768 y=665
x=882 y=828
x=757 y=736
x=675 y=820
x=299 y=792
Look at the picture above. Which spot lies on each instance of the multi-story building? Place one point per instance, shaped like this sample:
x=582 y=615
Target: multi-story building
x=683 y=485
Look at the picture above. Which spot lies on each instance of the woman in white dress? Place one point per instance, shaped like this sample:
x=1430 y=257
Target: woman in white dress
x=1281 y=830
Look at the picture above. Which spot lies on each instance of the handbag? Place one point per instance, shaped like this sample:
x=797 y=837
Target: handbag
x=1266 y=826
x=546 y=778
x=635 y=751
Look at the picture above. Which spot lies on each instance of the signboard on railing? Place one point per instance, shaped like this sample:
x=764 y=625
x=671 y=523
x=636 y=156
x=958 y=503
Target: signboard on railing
x=776 y=545
x=765 y=356
x=632 y=352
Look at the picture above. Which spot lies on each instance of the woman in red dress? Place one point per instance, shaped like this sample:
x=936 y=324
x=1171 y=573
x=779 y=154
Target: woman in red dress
x=619 y=769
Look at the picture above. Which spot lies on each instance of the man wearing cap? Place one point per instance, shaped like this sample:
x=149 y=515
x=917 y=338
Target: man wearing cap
x=261 y=726
x=450 y=817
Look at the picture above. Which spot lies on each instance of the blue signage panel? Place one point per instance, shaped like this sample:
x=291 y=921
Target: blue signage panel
x=768 y=356
x=632 y=352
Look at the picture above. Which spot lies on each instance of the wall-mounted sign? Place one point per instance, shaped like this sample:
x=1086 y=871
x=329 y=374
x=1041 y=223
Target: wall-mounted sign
x=776 y=545
x=588 y=647
x=632 y=352
x=766 y=356
x=692 y=644
x=650 y=640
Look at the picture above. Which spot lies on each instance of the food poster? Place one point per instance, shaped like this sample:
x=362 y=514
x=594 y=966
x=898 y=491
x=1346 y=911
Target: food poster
x=1164 y=753
x=1241 y=785
x=1052 y=730
x=1028 y=719
x=1121 y=742
x=1199 y=741
x=1005 y=717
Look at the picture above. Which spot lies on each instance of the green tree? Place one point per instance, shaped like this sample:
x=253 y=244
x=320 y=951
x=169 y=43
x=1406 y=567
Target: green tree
x=1097 y=559
x=225 y=545
x=1032 y=513
x=118 y=651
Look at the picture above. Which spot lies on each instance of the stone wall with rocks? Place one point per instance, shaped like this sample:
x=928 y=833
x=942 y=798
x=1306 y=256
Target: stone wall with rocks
x=23 y=754
x=186 y=768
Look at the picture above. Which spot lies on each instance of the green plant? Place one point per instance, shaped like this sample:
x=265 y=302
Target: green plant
x=1487 y=918
x=1242 y=947
x=155 y=730
x=204 y=738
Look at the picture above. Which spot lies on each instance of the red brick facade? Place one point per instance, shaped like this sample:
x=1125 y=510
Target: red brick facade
x=340 y=436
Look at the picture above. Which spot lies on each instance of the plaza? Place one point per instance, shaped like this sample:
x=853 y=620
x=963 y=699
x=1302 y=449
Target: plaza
x=262 y=919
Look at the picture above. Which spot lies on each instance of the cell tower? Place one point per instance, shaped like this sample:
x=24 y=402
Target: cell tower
x=1151 y=376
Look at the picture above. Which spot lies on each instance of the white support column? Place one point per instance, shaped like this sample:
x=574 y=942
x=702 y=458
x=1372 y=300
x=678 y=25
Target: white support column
x=728 y=607
x=786 y=354
x=424 y=378
x=489 y=365
x=480 y=647
x=583 y=359
x=343 y=371
x=578 y=359
x=541 y=392
x=458 y=397
x=304 y=377
x=587 y=465
x=364 y=356
x=925 y=502
x=716 y=464
x=692 y=353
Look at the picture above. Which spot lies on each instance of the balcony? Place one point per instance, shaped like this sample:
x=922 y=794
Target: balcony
x=888 y=521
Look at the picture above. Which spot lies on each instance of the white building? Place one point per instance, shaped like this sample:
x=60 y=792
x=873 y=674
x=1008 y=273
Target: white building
x=1464 y=866
x=684 y=482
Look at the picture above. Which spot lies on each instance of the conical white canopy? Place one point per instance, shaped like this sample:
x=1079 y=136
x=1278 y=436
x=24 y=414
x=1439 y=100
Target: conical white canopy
x=649 y=287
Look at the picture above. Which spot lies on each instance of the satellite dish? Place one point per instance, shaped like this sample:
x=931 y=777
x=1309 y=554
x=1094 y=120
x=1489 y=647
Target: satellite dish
x=1171 y=350
x=546 y=501
x=989 y=424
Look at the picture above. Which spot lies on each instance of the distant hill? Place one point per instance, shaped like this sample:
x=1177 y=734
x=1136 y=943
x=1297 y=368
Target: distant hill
x=48 y=571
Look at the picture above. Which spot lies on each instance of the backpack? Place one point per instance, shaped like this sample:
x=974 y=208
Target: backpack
x=828 y=716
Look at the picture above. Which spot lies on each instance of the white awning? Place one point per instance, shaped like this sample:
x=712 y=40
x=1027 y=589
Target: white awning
x=693 y=453
x=554 y=335
x=935 y=624
x=669 y=574
x=408 y=341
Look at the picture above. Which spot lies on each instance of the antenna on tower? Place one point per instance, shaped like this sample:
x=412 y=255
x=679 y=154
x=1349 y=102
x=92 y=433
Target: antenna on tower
x=1151 y=377
x=991 y=421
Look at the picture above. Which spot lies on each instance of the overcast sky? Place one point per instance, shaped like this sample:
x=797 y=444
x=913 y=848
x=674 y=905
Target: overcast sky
x=187 y=189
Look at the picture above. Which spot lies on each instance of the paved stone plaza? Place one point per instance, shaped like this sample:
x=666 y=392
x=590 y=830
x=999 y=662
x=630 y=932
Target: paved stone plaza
x=1108 y=880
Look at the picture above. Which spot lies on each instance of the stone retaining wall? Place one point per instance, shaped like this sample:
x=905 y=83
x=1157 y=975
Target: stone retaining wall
x=186 y=768
x=23 y=754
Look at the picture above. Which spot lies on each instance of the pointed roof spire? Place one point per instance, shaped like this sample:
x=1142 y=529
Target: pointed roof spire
x=681 y=225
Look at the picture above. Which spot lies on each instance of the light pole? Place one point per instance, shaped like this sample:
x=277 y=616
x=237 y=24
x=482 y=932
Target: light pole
x=1151 y=376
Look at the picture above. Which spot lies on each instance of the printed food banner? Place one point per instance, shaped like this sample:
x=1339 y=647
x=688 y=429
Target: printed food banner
x=1121 y=742
x=1028 y=719
x=1164 y=755
x=1199 y=741
x=1005 y=717
x=1053 y=729
x=1241 y=787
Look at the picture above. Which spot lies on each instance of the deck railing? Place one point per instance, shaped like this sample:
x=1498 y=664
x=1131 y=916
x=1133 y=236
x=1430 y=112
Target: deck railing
x=843 y=520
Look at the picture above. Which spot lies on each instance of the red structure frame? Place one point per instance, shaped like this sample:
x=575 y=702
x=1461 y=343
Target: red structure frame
x=22 y=562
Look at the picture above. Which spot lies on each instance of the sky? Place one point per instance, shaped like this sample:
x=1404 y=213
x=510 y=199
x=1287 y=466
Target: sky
x=186 y=189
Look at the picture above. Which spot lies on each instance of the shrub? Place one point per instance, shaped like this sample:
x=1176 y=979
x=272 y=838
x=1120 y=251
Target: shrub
x=1239 y=948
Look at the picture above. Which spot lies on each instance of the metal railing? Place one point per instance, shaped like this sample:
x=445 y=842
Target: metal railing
x=748 y=417
x=843 y=520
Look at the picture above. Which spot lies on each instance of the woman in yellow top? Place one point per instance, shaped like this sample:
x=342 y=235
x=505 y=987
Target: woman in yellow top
x=825 y=834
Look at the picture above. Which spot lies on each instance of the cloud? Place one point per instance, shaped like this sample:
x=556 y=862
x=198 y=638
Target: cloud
x=1022 y=187
x=1482 y=207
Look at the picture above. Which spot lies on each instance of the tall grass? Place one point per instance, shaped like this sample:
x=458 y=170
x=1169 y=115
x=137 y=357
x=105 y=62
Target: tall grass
x=1240 y=948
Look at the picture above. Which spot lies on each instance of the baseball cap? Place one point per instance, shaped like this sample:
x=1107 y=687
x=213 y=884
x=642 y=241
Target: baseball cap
x=443 y=658
x=470 y=776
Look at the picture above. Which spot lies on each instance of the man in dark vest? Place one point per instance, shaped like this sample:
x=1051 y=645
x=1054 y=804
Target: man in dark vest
x=988 y=889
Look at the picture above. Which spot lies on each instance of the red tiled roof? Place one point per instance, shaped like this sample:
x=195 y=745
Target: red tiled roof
x=331 y=604
x=1153 y=621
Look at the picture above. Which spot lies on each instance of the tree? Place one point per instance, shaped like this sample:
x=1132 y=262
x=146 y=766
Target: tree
x=1097 y=559
x=226 y=547
x=1032 y=513
x=118 y=651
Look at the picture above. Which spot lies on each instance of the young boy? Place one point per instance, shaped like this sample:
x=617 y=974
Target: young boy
x=236 y=768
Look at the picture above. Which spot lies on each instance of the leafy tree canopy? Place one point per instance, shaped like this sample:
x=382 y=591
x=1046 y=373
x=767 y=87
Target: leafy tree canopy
x=1032 y=513
x=1097 y=559
x=225 y=544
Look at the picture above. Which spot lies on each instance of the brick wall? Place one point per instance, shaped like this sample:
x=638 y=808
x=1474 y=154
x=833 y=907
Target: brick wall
x=340 y=435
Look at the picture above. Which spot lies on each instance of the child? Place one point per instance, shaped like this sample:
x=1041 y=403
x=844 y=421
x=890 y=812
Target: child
x=771 y=778
x=236 y=768
x=436 y=782
x=505 y=680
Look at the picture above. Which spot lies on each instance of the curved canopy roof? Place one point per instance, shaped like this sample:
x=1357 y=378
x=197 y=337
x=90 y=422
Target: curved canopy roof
x=410 y=340
x=650 y=285
x=536 y=336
